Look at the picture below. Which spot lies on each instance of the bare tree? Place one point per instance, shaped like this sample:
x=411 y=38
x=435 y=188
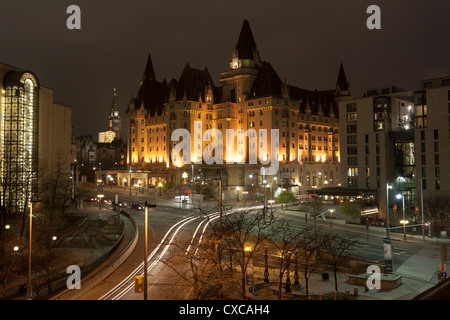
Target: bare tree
x=309 y=244
x=286 y=242
x=245 y=233
x=339 y=247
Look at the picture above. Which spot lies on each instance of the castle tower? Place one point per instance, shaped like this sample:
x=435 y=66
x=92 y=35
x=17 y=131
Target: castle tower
x=114 y=117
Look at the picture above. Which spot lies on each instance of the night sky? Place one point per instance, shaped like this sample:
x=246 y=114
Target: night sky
x=305 y=41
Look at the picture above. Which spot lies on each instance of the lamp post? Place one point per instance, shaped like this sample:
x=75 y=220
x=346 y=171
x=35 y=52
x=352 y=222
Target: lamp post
x=271 y=205
x=145 y=250
x=404 y=221
x=388 y=186
x=237 y=193
x=193 y=183
x=331 y=217
x=29 y=287
x=245 y=197
x=100 y=199
x=421 y=208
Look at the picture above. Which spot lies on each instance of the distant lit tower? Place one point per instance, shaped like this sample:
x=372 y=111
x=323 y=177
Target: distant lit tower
x=114 y=124
x=114 y=118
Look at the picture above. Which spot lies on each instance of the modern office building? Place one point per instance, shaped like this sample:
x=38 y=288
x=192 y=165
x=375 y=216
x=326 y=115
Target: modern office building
x=33 y=131
x=251 y=96
x=397 y=137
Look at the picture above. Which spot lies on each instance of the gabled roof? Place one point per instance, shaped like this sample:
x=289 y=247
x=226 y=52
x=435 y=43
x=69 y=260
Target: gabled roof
x=193 y=83
x=316 y=100
x=246 y=43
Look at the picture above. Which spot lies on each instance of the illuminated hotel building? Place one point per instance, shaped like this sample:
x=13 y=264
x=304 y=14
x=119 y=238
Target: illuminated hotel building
x=33 y=130
x=251 y=95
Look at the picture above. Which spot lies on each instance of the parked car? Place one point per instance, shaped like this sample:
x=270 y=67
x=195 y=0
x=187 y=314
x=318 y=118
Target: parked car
x=137 y=206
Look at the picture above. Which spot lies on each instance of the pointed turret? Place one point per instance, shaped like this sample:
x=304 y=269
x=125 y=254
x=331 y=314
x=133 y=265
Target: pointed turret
x=246 y=53
x=246 y=44
x=343 y=85
x=149 y=73
x=114 y=106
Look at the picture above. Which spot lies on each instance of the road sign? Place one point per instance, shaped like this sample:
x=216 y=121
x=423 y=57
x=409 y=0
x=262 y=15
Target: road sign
x=138 y=284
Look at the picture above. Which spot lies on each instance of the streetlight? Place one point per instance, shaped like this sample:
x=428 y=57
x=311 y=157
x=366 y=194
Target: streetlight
x=271 y=204
x=404 y=221
x=29 y=287
x=145 y=250
x=388 y=186
x=160 y=185
x=331 y=217
x=100 y=197
x=421 y=208
x=237 y=193
x=245 y=193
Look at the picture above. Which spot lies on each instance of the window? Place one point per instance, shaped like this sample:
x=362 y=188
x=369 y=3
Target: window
x=422 y=147
x=352 y=150
x=424 y=172
x=367 y=138
x=438 y=184
x=352 y=118
x=378 y=172
x=351 y=140
x=436 y=147
x=436 y=172
x=353 y=182
x=352 y=172
x=351 y=107
x=352 y=161
x=424 y=159
x=351 y=128
x=436 y=159
x=436 y=134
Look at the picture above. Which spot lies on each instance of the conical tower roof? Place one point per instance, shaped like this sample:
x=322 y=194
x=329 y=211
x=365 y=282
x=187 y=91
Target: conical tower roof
x=149 y=73
x=246 y=43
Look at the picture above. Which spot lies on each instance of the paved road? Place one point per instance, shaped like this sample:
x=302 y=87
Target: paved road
x=168 y=213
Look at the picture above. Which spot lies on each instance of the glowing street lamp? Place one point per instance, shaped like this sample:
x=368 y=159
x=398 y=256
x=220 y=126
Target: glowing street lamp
x=404 y=223
x=100 y=197
x=237 y=193
x=399 y=196
x=331 y=217
x=245 y=193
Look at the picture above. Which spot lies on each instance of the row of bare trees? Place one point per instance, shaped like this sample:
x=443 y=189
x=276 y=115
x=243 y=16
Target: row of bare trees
x=50 y=224
x=221 y=263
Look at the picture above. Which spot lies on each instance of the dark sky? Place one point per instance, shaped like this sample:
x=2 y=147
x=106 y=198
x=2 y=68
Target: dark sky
x=305 y=41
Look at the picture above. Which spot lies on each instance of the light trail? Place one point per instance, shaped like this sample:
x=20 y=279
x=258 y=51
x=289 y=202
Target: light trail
x=127 y=284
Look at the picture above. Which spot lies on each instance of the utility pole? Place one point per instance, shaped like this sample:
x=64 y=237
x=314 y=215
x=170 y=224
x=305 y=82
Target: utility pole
x=221 y=223
x=145 y=251
x=421 y=208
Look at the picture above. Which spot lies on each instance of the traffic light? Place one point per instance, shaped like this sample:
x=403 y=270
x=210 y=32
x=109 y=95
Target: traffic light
x=395 y=208
x=138 y=284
